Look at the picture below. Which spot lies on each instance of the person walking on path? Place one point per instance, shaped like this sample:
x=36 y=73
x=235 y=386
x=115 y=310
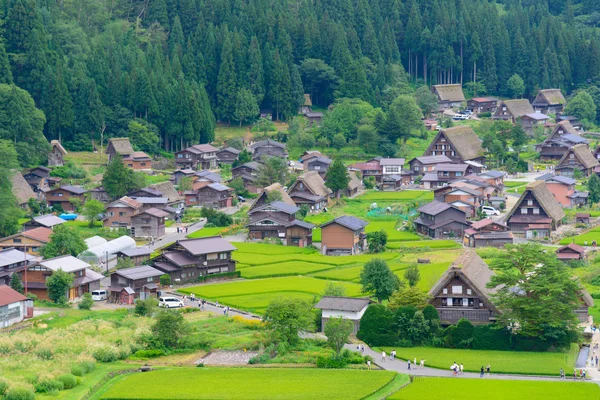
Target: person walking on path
x=481 y=373
x=487 y=369
x=382 y=356
x=415 y=362
x=422 y=363
x=409 y=365
x=574 y=373
x=461 y=369
x=562 y=374
x=362 y=349
x=596 y=361
x=369 y=364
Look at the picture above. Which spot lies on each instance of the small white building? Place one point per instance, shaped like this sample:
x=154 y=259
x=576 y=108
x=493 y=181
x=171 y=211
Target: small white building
x=346 y=307
x=14 y=307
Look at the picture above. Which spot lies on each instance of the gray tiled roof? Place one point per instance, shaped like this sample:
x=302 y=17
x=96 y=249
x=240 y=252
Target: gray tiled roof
x=349 y=222
x=213 y=244
x=434 y=208
x=144 y=271
x=342 y=303
x=433 y=159
x=49 y=220
x=135 y=252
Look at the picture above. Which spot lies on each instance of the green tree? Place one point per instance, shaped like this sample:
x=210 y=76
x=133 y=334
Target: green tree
x=403 y=119
x=60 y=105
x=536 y=293
x=8 y=155
x=377 y=241
x=145 y=308
x=9 y=212
x=338 y=141
x=185 y=184
x=274 y=195
x=245 y=106
x=91 y=210
x=144 y=136
x=119 y=180
x=337 y=331
x=377 y=279
x=169 y=328
x=58 y=285
x=582 y=106
x=426 y=100
x=165 y=280
x=516 y=86
x=593 y=186
x=409 y=297
x=286 y=317
x=518 y=137
x=124 y=263
x=271 y=170
x=86 y=302
x=333 y=289
x=226 y=84
x=412 y=275
x=377 y=326
x=337 y=177
x=16 y=284
x=64 y=240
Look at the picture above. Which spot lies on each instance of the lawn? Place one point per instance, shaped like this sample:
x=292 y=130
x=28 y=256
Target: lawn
x=589 y=236
x=444 y=388
x=430 y=274
x=252 y=259
x=509 y=362
x=248 y=384
x=205 y=232
x=259 y=248
x=403 y=196
x=389 y=227
x=255 y=295
x=433 y=244
x=87 y=157
x=284 y=269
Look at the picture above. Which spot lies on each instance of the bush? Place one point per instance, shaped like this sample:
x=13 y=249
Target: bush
x=165 y=280
x=331 y=362
x=105 y=355
x=489 y=337
x=486 y=114
x=376 y=327
x=460 y=335
x=44 y=354
x=146 y=307
x=49 y=386
x=83 y=368
x=3 y=387
x=260 y=359
x=69 y=381
x=152 y=353
x=19 y=393
x=86 y=302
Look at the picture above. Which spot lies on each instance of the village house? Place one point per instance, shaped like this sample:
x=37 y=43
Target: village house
x=37 y=178
x=462 y=292
x=343 y=235
x=205 y=178
x=47 y=221
x=119 y=212
x=143 y=282
x=318 y=164
x=482 y=104
x=536 y=214
x=513 y=110
x=443 y=174
x=355 y=185
x=145 y=192
x=314 y=118
x=530 y=122
x=85 y=280
x=392 y=182
x=349 y=308
x=308 y=154
x=178 y=175
x=66 y=197
x=138 y=255
x=495 y=178
x=549 y=101
x=187 y=260
x=420 y=166
x=227 y=155
x=138 y=160
x=263 y=196
x=247 y=172
x=14 y=307
x=214 y=195
x=371 y=168
x=459 y=143
x=12 y=261
x=151 y=202
x=99 y=193
x=487 y=233
x=278 y=220
x=310 y=189
x=582 y=218
x=30 y=240
x=574 y=121
x=306 y=106
x=199 y=156
x=391 y=166
x=578 y=157
x=449 y=96
x=570 y=252
x=268 y=148
x=430 y=124
x=561 y=187
x=149 y=223
x=467 y=200
x=165 y=189
x=559 y=141
x=20 y=189
x=441 y=221
x=56 y=154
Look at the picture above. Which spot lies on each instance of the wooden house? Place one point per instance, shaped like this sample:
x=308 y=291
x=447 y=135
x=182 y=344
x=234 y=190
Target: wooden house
x=459 y=143
x=262 y=198
x=149 y=223
x=12 y=261
x=56 y=154
x=466 y=199
x=537 y=212
x=462 y=292
x=29 y=241
x=99 y=193
x=314 y=118
x=570 y=252
x=391 y=166
x=549 y=101
x=199 y=156
x=495 y=178
x=420 y=166
x=441 y=220
x=482 y=104
x=344 y=236
x=119 y=146
x=48 y=221
x=391 y=182
x=310 y=189
x=308 y=154
x=247 y=172
x=318 y=164
x=178 y=175
x=187 y=260
x=166 y=189
x=20 y=189
x=227 y=155
x=582 y=218
x=63 y=195
x=214 y=195
x=487 y=233
x=512 y=110
x=369 y=169
x=561 y=187
x=151 y=202
x=205 y=178
x=38 y=179
x=143 y=282
x=449 y=96
x=530 y=122
x=138 y=255
x=349 y=308
x=278 y=220
x=574 y=121
x=138 y=160
x=306 y=106
x=355 y=185
x=560 y=140
x=268 y=148
x=578 y=157
x=119 y=212
x=443 y=174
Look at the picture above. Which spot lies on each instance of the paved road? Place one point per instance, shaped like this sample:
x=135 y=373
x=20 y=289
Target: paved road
x=213 y=307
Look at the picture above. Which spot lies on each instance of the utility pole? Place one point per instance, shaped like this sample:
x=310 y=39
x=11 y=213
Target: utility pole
x=26 y=266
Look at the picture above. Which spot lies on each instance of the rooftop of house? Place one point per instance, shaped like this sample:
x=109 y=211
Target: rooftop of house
x=151 y=200
x=121 y=145
x=544 y=197
x=67 y=263
x=279 y=205
x=230 y=150
x=452 y=167
x=20 y=188
x=349 y=222
x=72 y=189
x=41 y=234
x=13 y=256
x=552 y=96
x=141 y=272
x=127 y=201
x=155 y=212
x=427 y=160
x=350 y=304
x=48 y=220
x=206 y=245
x=267 y=142
x=451 y=92
x=385 y=162
x=9 y=296
x=434 y=208
x=56 y=144
x=136 y=252
x=572 y=246
x=313 y=182
x=519 y=107
x=538 y=116
x=557 y=178
x=465 y=141
x=583 y=153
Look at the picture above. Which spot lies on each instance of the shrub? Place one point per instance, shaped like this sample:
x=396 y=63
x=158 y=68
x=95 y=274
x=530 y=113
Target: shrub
x=19 y=393
x=69 y=381
x=105 y=355
x=3 y=387
x=151 y=353
x=165 y=280
x=486 y=114
x=488 y=337
x=44 y=354
x=461 y=334
x=49 y=386
x=260 y=359
x=77 y=370
x=331 y=362
x=86 y=302
x=376 y=326
x=145 y=307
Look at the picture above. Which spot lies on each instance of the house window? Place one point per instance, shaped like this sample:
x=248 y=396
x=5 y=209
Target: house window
x=317 y=167
x=17 y=241
x=469 y=291
x=143 y=164
x=456 y=289
x=121 y=214
x=122 y=281
x=59 y=194
x=445 y=291
x=222 y=256
x=523 y=210
x=536 y=211
x=211 y=256
x=453 y=153
x=111 y=214
x=179 y=155
x=417 y=167
x=183 y=275
x=529 y=202
x=150 y=279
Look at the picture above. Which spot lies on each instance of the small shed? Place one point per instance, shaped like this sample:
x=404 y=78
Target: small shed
x=14 y=307
x=582 y=218
x=571 y=251
x=346 y=307
x=122 y=295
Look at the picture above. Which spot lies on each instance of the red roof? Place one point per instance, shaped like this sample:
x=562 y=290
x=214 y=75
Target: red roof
x=572 y=246
x=9 y=296
x=367 y=166
x=41 y=234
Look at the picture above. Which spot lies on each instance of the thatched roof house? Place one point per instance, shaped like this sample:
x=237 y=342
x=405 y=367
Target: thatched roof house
x=21 y=189
x=459 y=143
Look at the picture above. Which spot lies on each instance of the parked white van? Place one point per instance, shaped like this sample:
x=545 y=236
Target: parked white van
x=169 y=302
x=489 y=211
x=99 y=295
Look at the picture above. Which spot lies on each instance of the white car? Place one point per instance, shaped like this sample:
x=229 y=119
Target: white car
x=460 y=117
x=170 y=302
x=489 y=211
x=99 y=295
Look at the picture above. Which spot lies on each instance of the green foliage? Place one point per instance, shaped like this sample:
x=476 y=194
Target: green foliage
x=461 y=334
x=271 y=170
x=3 y=387
x=376 y=326
x=516 y=86
x=430 y=313
x=169 y=329
x=144 y=136
x=9 y=212
x=64 y=240
x=69 y=171
x=410 y=296
x=145 y=308
x=119 y=180
x=16 y=284
x=377 y=241
x=124 y=263
x=69 y=381
x=338 y=141
x=581 y=106
x=58 y=285
x=91 y=211
x=246 y=106
x=593 y=186
x=337 y=331
x=403 y=120
x=286 y=317
x=344 y=118
x=215 y=217
x=86 y=302
x=337 y=176
x=19 y=393
x=106 y=354
x=412 y=275
x=165 y=280
x=334 y=290
x=9 y=159
x=377 y=278
x=426 y=100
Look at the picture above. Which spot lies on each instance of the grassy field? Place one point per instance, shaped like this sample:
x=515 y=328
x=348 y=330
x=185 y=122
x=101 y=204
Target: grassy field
x=248 y=384
x=444 y=388
x=87 y=157
x=589 y=236
x=394 y=235
x=513 y=362
x=255 y=295
x=433 y=244
x=284 y=269
x=204 y=232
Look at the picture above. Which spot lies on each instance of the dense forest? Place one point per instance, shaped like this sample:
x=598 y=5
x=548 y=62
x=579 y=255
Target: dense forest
x=175 y=67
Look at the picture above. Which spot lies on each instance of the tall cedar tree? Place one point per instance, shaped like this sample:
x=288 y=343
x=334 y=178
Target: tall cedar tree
x=337 y=177
x=226 y=86
x=119 y=180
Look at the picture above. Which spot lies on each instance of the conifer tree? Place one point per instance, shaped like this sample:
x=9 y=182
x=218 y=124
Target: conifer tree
x=226 y=86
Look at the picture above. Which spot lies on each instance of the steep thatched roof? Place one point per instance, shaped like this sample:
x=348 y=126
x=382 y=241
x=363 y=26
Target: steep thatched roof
x=546 y=199
x=307 y=100
x=465 y=141
x=121 y=145
x=583 y=154
x=20 y=188
x=552 y=96
x=314 y=183
x=56 y=143
x=168 y=190
x=518 y=107
x=354 y=182
x=452 y=92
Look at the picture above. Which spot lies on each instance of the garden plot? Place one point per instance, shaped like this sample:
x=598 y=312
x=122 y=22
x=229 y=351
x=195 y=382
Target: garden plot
x=589 y=236
x=284 y=269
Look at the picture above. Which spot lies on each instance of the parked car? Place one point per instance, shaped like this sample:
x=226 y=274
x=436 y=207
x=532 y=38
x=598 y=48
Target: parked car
x=489 y=211
x=99 y=295
x=468 y=111
x=170 y=302
x=460 y=117
x=241 y=199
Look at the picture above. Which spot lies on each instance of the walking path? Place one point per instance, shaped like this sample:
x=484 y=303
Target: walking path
x=212 y=307
x=173 y=237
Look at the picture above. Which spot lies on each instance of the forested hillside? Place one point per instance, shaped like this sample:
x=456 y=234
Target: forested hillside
x=92 y=66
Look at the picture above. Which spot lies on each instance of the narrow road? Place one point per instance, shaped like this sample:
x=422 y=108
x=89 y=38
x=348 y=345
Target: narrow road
x=212 y=307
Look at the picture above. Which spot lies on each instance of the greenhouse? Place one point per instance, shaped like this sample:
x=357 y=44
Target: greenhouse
x=95 y=241
x=107 y=252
